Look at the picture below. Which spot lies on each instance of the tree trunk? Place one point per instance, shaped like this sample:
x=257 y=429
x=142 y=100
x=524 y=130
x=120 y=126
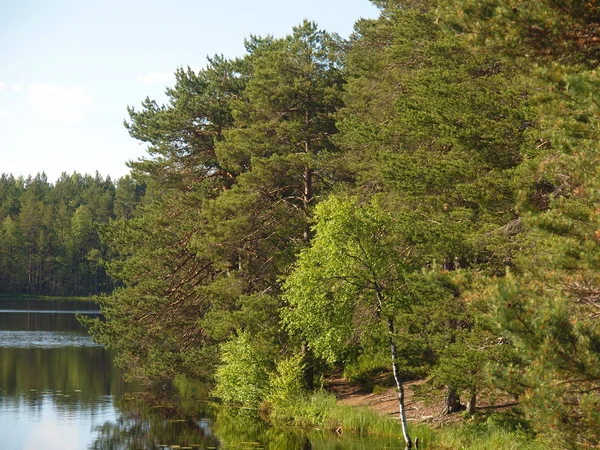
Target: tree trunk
x=471 y=404
x=399 y=386
x=309 y=368
x=396 y=371
x=452 y=402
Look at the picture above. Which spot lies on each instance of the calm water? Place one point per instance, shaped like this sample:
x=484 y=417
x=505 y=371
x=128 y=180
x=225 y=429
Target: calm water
x=56 y=385
x=59 y=390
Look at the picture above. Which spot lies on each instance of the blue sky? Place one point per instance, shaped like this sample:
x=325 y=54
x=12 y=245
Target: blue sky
x=69 y=68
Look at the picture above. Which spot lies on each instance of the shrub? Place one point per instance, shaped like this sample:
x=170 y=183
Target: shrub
x=243 y=377
x=287 y=390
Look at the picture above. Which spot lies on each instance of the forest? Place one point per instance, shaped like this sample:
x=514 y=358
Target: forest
x=421 y=199
x=50 y=232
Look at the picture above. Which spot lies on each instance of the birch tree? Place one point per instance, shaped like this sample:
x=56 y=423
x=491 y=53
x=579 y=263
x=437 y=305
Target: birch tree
x=349 y=283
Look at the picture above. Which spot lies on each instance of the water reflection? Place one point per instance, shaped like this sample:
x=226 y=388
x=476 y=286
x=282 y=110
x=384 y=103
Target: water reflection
x=54 y=304
x=43 y=339
x=56 y=385
x=56 y=316
x=168 y=420
x=38 y=420
x=60 y=391
x=160 y=419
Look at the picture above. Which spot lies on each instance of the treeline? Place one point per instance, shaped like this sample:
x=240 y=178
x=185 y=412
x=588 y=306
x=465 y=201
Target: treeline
x=49 y=232
x=422 y=196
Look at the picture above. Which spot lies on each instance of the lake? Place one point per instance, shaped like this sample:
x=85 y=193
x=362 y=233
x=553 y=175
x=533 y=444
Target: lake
x=60 y=391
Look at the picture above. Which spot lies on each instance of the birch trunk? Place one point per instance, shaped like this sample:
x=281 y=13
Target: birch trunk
x=397 y=376
x=400 y=387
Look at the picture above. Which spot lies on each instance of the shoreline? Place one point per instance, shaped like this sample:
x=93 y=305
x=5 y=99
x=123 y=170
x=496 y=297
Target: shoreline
x=46 y=297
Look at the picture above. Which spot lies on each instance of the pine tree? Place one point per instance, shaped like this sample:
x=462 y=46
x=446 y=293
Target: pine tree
x=281 y=152
x=436 y=131
x=548 y=307
x=153 y=317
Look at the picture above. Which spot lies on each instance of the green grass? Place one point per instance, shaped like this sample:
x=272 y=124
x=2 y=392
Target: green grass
x=483 y=437
x=495 y=432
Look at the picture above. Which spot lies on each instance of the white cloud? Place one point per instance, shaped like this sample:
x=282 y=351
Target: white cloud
x=3 y=115
x=2 y=86
x=156 y=77
x=60 y=104
x=17 y=87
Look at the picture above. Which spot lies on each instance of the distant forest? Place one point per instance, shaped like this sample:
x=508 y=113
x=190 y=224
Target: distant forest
x=49 y=232
x=423 y=196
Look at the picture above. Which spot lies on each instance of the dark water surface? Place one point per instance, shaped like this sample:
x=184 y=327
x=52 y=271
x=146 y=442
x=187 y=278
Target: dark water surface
x=60 y=391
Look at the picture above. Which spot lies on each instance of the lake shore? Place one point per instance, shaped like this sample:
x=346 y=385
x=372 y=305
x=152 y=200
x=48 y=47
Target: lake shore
x=495 y=425
x=45 y=297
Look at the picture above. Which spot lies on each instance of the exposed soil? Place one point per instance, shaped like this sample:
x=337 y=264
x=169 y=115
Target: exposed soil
x=385 y=401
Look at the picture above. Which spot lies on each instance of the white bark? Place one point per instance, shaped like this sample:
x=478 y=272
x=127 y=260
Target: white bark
x=397 y=376
x=400 y=387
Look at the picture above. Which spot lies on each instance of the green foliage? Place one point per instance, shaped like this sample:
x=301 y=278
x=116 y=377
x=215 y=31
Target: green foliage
x=556 y=373
x=460 y=140
x=152 y=321
x=561 y=30
x=286 y=388
x=242 y=378
x=370 y=361
x=333 y=291
x=49 y=233
x=229 y=188
x=485 y=436
x=546 y=308
x=439 y=136
x=181 y=135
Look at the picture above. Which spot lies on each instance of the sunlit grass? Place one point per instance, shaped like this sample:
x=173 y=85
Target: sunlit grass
x=321 y=411
x=463 y=437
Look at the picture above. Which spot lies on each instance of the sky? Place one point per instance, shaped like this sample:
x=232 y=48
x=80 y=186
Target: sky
x=70 y=68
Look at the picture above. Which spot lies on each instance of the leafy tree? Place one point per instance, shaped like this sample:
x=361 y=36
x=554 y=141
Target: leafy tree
x=14 y=260
x=284 y=119
x=547 y=308
x=33 y=211
x=282 y=131
x=128 y=195
x=181 y=136
x=282 y=154
x=348 y=283
x=55 y=263
x=287 y=388
x=442 y=137
x=561 y=30
x=11 y=189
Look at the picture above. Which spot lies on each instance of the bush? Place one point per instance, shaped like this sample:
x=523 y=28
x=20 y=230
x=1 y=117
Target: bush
x=287 y=390
x=243 y=377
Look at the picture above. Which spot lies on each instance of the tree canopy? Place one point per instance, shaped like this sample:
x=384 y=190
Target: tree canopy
x=421 y=197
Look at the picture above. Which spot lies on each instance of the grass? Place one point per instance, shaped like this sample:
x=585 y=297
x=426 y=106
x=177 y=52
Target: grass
x=495 y=432
x=484 y=437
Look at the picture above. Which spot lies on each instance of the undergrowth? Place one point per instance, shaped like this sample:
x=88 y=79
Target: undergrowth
x=499 y=431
